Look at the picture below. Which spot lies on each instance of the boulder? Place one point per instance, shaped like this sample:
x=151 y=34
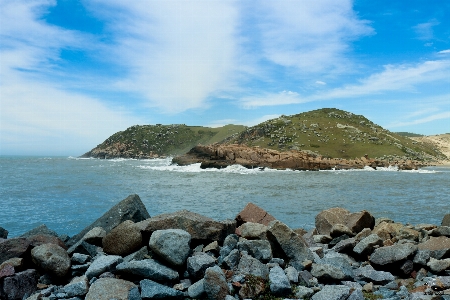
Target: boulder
x=83 y=248
x=78 y=286
x=40 y=239
x=102 y=264
x=440 y=231
x=388 y=231
x=366 y=245
x=279 y=282
x=232 y=259
x=215 y=284
x=197 y=290
x=95 y=236
x=131 y=208
x=327 y=272
x=259 y=249
x=154 y=290
x=355 y=222
x=292 y=274
x=250 y=230
x=16 y=262
x=446 y=220
x=197 y=264
x=138 y=255
x=439 y=246
x=255 y=214
x=392 y=254
x=172 y=245
x=439 y=265
x=200 y=228
x=147 y=268
x=339 y=230
x=41 y=229
x=80 y=259
x=110 y=288
x=293 y=246
x=346 y=245
x=51 y=258
x=251 y=266
x=123 y=239
x=6 y=270
x=20 y=284
x=3 y=233
x=368 y=273
x=303 y=292
x=16 y=247
x=332 y=292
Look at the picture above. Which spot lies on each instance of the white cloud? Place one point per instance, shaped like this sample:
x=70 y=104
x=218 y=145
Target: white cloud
x=178 y=53
x=424 y=31
x=271 y=99
x=36 y=116
x=321 y=82
x=311 y=36
x=444 y=51
x=434 y=117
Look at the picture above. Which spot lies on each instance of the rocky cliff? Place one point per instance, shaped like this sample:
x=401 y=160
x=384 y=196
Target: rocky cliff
x=221 y=156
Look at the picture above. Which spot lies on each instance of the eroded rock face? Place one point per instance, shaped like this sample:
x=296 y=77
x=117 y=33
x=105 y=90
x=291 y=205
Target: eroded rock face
x=221 y=156
x=123 y=239
x=51 y=258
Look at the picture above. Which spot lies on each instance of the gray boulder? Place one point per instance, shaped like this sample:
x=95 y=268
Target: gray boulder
x=422 y=257
x=123 y=239
x=439 y=265
x=138 y=255
x=197 y=290
x=78 y=286
x=154 y=290
x=95 y=236
x=303 y=292
x=446 y=220
x=104 y=263
x=251 y=266
x=172 y=245
x=391 y=254
x=215 y=283
x=252 y=230
x=259 y=249
x=83 y=248
x=19 y=285
x=370 y=274
x=346 y=245
x=440 y=231
x=111 y=288
x=199 y=227
x=131 y=208
x=51 y=258
x=40 y=230
x=279 y=282
x=232 y=259
x=197 y=264
x=326 y=272
x=293 y=246
x=366 y=245
x=332 y=292
x=292 y=274
x=355 y=222
x=147 y=268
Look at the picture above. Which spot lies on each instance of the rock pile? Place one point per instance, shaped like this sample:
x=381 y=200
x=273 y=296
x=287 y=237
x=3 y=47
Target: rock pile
x=184 y=255
x=221 y=156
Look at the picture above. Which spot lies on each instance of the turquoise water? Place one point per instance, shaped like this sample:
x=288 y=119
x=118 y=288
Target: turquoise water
x=68 y=194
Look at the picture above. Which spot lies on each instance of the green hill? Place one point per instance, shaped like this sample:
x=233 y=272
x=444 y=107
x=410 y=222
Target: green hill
x=332 y=133
x=146 y=141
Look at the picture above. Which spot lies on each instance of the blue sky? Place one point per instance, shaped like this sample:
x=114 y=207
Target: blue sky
x=74 y=72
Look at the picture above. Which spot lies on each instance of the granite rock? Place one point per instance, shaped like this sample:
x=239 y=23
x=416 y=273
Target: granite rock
x=172 y=245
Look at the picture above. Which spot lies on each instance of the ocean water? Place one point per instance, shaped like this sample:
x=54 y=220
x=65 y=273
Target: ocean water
x=67 y=193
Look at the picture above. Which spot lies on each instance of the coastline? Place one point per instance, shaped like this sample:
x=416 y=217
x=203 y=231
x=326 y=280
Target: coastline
x=184 y=255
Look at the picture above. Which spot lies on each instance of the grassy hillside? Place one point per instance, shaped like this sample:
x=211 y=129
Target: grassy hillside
x=165 y=139
x=332 y=133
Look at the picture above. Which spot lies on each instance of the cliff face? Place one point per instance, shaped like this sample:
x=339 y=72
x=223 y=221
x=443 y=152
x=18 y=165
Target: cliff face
x=221 y=156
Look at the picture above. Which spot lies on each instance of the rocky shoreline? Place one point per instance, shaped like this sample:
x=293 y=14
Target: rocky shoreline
x=221 y=156
x=126 y=254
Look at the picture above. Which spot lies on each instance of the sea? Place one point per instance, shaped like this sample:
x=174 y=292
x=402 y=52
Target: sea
x=68 y=193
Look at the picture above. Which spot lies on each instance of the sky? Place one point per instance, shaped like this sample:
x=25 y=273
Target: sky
x=72 y=73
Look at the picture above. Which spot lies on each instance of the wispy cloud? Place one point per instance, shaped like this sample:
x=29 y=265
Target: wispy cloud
x=37 y=116
x=310 y=36
x=271 y=99
x=425 y=31
x=177 y=53
x=434 y=117
x=444 y=51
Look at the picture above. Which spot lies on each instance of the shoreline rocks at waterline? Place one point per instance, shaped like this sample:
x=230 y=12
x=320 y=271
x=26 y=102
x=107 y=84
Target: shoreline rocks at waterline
x=127 y=254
